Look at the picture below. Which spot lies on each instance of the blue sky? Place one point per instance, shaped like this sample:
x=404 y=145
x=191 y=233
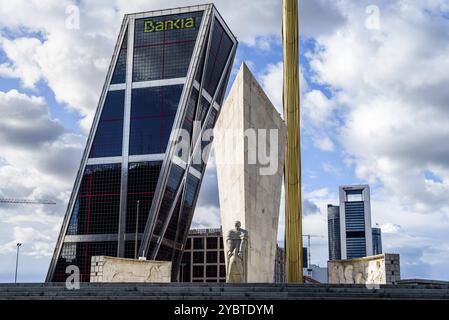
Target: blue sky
x=374 y=110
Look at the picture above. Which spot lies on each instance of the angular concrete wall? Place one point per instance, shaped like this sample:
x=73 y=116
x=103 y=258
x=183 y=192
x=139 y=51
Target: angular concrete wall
x=250 y=189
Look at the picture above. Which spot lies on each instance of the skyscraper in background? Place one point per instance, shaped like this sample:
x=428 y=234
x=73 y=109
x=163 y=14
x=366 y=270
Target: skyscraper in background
x=169 y=71
x=333 y=232
x=377 y=241
x=355 y=222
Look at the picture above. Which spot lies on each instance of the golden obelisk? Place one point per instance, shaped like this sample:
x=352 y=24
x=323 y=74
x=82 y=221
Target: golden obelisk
x=293 y=215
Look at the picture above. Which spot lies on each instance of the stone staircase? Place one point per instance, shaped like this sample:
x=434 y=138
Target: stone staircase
x=217 y=291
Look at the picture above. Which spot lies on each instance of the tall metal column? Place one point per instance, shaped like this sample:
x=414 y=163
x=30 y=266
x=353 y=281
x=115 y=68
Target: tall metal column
x=293 y=210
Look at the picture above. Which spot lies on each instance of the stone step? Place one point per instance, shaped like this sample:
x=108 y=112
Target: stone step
x=209 y=291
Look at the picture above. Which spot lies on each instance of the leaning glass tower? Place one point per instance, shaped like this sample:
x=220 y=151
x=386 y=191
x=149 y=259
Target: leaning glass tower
x=169 y=71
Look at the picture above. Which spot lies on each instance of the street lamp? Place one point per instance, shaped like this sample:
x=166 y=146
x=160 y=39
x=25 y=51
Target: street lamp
x=17 y=261
x=137 y=230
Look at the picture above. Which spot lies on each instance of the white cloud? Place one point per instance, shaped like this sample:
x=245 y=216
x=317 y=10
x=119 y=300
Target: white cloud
x=38 y=243
x=271 y=81
x=206 y=217
x=388 y=86
x=22 y=56
x=40 y=162
x=324 y=144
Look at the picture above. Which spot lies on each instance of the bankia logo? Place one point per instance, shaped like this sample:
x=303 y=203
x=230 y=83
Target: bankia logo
x=173 y=24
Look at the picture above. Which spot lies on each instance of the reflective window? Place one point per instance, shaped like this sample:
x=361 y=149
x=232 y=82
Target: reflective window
x=199 y=73
x=198 y=257
x=219 y=52
x=172 y=226
x=108 y=137
x=211 y=271
x=153 y=111
x=119 y=75
x=97 y=207
x=224 y=86
x=192 y=189
x=164 y=253
x=173 y=182
x=203 y=108
x=142 y=181
x=211 y=256
x=198 y=162
x=212 y=243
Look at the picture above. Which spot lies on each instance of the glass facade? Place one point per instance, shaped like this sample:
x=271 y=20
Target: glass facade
x=167 y=53
x=203 y=258
x=152 y=113
x=333 y=228
x=109 y=134
x=355 y=229
x=119 y=75
x=377 y=241
x=130 y=185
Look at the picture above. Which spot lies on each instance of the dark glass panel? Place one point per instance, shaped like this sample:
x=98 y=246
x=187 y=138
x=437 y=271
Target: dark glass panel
x=188 y=244
x=119 y=75
x=198 y=257
x=98 y=204
x=211 y=271
x=198 y=243
x=173 y=182
x=172 y=227
x=212 y=243
x=108 y=137
x=142 y=181
x=222 y=271
x=130 y=249
x=199 y=73
x=152 y=114
x=177 y=57
x=224 y=86
x=164 y=253
x=211 y=257
x=146 y=102
x=186 y=215
x=219 y=52
x=198 y=162
x=186 y=257
x=203 y=108
x=166 y=53
x=184 y=267
x=198 y=272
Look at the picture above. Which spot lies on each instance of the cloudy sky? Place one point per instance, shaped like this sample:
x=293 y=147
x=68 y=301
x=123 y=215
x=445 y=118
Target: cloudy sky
x=375 y=109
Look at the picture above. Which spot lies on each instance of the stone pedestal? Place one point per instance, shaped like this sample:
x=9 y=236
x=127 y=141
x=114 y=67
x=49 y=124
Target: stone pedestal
x=249 y=142
x=111 y=269
x=379 y=269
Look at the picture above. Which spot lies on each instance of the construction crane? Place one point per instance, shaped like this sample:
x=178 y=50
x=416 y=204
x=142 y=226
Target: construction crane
x=25 y=201
x=308 y=244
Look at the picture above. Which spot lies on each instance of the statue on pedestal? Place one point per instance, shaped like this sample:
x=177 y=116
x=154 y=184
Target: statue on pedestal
x=237 y=241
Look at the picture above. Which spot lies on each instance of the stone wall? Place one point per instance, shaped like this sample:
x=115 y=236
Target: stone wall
x=379 y=269
x=111 y=269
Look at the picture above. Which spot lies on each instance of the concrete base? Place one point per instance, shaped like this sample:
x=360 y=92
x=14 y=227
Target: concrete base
x=380 y=269
x=111 y=269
